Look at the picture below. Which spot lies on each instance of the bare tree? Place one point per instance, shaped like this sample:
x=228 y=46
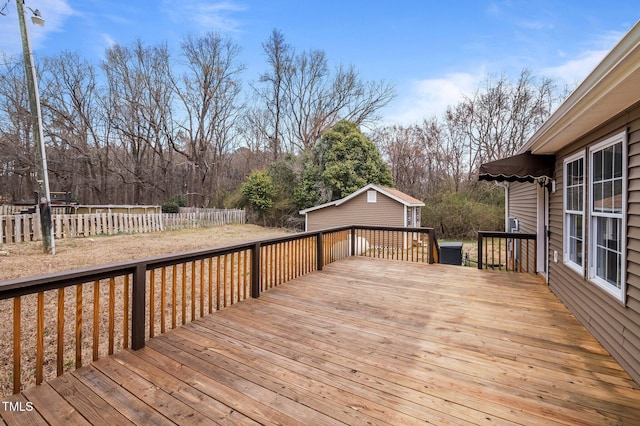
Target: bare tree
x=444 y=154
x=319 y=99
x=78 y=159
x=139 y=111
x=416 y=157
x=208 y=93
x=499 y=117
x=268 y=118
x=301 y=98
x=17 y=154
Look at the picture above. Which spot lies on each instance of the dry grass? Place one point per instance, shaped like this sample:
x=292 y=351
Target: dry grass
x=27 y=259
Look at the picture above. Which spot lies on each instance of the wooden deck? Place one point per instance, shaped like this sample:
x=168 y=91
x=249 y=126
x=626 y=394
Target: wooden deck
x=365 y=341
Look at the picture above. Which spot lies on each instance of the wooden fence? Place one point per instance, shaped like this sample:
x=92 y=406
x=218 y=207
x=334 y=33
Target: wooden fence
x=26 y=227
x=8 y=209
x=202 y=217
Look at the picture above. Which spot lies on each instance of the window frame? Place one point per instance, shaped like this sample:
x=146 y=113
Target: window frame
x=372 y=196
x=581 y=155
x=618 y=293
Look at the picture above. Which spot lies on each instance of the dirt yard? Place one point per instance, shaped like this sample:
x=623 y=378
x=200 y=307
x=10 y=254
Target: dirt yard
x=27 y=259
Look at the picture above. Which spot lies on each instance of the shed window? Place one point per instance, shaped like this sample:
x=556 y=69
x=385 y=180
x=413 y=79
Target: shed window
x=372 y=196
x=574 y=212
x=607 y=188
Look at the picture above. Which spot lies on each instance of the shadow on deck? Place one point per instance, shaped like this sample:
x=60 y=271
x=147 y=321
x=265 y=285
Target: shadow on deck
x=364 y=341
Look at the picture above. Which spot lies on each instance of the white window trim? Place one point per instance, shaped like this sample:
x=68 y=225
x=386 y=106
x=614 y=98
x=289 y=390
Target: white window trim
x=565 y=258
x=618 y=293
x=372 y=196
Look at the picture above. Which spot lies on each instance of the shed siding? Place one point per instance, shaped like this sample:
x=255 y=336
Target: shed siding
x=384 y=212
x=615 y=325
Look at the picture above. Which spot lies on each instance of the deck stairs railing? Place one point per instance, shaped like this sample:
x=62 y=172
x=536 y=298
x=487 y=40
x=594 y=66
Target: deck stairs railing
x=507 y=251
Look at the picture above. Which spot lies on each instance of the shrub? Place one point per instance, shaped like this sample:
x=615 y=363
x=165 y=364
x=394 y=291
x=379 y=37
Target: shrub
x=170 y=207
x=460 y=215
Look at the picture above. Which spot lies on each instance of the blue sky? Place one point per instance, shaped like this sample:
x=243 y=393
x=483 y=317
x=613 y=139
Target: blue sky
x=432 y=51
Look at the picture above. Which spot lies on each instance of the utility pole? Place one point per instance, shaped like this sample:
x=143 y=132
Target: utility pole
x=48 y=242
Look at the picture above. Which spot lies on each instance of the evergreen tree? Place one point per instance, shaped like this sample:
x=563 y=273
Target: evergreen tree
x=343 y=161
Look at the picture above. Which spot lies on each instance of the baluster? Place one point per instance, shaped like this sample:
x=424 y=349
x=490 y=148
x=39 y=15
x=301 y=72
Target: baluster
x=17 y=374
x=60 y=335
x=112 y=313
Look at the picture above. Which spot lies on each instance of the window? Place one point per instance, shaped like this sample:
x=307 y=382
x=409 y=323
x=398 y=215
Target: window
x=574 y=212
x=371 y=196
x=607 y=208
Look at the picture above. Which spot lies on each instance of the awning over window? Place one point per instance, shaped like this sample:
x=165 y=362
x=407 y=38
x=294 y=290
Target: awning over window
x=525 y=167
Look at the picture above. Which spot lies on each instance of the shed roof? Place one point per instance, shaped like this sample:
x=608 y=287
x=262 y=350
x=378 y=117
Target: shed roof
x=392 y=193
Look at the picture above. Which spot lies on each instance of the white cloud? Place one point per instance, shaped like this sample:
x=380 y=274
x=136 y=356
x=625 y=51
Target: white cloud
x=211 y=16
x=534 y=25
x=575 y=69
x=426 y=98
x=54 y=12
x=108 y=40
x=431 y=97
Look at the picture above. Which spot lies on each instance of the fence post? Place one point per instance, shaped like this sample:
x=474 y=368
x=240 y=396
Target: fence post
x=319 y=251
x=480 y=237
x=138 y=307
x=255 y=271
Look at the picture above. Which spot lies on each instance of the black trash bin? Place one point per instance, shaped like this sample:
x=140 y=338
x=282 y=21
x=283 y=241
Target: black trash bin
x=451 y=253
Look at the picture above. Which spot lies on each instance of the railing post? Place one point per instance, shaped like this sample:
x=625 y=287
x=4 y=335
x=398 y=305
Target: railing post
x=255 y=271
x=432 y=245
x=480 y=250
x=138 y=307
x=319 y=251
x=352 y=249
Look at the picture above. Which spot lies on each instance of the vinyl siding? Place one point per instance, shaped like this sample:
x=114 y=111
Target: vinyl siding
x=523 y=204
x=614 y=324
x=384 y=212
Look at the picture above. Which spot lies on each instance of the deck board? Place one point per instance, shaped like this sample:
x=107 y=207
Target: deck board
x=365 y=341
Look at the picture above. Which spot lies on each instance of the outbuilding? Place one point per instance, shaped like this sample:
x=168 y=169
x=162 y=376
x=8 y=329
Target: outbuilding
x=370 y=205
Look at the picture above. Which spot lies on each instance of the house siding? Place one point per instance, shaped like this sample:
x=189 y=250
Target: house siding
x=522 y=205
x=614 y=324
x=523 y=201
x=384 y=212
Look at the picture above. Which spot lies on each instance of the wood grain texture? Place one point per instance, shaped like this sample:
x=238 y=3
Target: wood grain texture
x=364 y=341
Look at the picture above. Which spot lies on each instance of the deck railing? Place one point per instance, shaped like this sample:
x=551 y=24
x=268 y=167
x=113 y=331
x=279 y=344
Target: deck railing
x=507 y=251
x=62 y=321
